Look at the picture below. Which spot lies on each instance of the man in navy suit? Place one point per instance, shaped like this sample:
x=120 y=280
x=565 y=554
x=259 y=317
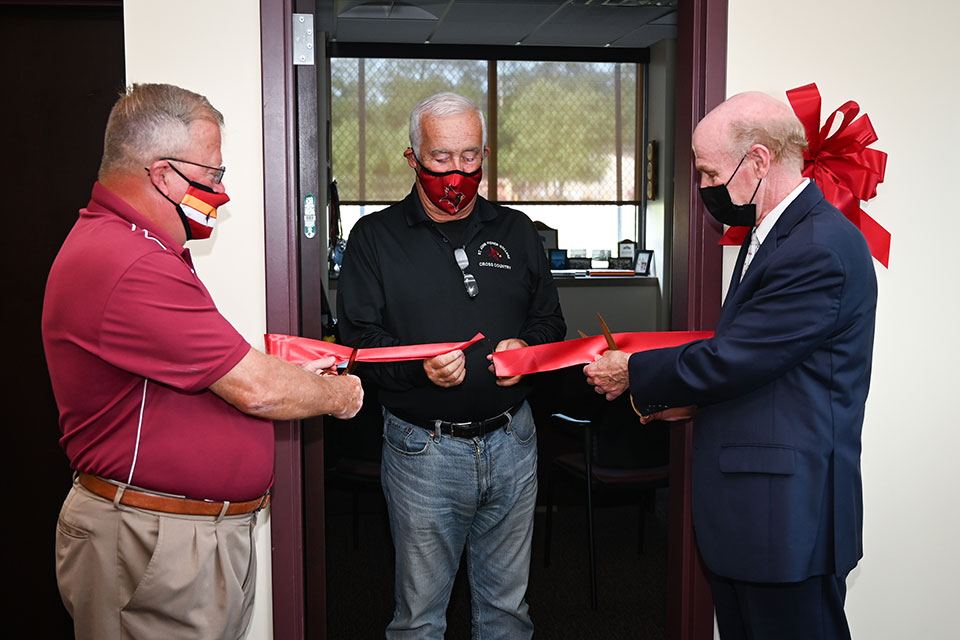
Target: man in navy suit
x=778 y=392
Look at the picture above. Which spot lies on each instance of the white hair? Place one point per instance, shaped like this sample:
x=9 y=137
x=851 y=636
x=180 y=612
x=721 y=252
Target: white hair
x=149 y=122
x=438 y=106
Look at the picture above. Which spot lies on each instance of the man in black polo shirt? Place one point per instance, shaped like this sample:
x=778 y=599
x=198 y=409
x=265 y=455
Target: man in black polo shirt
x=460 y=449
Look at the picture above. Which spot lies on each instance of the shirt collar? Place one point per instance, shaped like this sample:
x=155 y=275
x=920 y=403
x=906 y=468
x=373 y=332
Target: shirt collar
x=416 y=214
x=102 y=200
x=762 y=230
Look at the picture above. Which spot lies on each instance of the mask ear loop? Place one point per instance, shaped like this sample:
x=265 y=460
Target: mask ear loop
x=180 y=214
x=729 y=180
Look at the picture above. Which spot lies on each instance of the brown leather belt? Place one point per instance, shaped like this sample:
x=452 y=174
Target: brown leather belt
x=168 y=504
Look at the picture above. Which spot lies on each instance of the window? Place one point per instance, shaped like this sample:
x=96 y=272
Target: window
x=563 y=138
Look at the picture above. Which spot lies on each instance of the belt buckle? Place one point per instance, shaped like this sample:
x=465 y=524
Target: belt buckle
x=456 y=428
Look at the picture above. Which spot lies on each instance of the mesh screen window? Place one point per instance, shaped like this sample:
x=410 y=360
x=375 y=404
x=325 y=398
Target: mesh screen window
x=566 y=138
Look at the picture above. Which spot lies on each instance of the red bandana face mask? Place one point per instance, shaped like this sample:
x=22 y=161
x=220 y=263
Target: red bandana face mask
x=450 y=190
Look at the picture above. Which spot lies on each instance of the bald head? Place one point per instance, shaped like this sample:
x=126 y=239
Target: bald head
x=753 y=118
x=753 y=145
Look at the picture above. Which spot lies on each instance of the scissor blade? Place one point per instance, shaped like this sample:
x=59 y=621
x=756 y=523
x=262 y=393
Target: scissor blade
x=611 y=343
x=352 y=362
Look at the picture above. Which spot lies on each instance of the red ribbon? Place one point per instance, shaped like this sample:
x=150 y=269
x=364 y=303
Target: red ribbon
x=514 y=362
x=557 y=355
x=300 y=350
x=841 y=165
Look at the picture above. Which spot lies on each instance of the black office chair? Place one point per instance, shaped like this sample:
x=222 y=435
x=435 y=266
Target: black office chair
x=613 y=462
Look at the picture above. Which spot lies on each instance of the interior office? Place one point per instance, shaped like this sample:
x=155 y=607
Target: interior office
x=904 y=585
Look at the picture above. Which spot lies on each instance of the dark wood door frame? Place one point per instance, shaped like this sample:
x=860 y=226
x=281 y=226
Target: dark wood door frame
x=280 y=174
x=695 y=295
x=701 y=84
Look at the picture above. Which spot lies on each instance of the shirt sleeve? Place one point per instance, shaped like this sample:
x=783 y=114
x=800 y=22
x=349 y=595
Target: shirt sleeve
x=161 y=323
x=360 y=311
x=792 y=313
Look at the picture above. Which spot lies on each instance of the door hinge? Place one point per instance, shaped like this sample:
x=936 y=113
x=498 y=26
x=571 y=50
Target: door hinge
x=303 y=38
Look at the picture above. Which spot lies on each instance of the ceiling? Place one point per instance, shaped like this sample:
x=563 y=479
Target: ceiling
x=550 y=23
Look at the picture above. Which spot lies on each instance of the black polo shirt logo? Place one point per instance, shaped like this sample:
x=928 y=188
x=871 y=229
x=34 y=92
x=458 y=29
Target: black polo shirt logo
x=493 y=254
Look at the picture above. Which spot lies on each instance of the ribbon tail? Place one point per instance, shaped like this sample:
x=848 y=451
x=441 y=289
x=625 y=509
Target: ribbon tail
x=878 y=238
x=414 y=351
x=558 y=355
x=299 y=350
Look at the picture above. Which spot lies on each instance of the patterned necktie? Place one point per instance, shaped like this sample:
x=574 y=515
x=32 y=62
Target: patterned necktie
x=751 y=251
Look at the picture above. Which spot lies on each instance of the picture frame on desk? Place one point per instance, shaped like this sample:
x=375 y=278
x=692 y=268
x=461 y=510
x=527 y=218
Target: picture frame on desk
x=644 y=262
x=579 y=263
x=558 y=258
x=620 y=263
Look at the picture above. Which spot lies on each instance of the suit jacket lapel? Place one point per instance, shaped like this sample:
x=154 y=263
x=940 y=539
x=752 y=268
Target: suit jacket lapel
x=737 y=268
x=792 y=215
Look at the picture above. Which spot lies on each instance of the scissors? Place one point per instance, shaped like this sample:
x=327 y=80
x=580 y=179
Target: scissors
x=611 y=343
x=351 y=363
x=612 y=346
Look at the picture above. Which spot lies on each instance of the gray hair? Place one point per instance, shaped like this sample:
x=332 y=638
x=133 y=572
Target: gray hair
x=152 y=121
x=438 y=106
x=783 y=136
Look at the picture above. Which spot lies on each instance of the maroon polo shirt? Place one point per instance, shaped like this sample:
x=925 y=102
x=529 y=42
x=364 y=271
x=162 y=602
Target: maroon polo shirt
x=133 y=340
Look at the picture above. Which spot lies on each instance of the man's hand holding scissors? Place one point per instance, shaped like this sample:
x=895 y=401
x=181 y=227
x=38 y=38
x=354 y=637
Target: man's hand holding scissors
x=609 y=374
x=346 y=385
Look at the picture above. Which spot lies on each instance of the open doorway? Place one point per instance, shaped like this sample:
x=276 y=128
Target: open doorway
x=693 y=291
x=575 y=167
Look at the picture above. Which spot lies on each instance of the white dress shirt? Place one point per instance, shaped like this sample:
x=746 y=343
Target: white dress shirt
x=762 y=230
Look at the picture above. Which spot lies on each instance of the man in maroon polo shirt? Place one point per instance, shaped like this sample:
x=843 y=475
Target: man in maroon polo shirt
x=165 y=409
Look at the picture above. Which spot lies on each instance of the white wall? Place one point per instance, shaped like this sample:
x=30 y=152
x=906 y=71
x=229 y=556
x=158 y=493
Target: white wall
x=897 y=61
x=213 y=47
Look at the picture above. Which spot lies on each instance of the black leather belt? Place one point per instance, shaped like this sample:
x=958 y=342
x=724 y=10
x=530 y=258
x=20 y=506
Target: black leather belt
x=473 y=429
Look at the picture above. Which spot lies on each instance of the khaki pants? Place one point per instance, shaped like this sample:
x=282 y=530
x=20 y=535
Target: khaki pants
x=129 y=573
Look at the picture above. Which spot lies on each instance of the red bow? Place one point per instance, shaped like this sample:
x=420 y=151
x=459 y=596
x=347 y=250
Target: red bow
x=841 y=165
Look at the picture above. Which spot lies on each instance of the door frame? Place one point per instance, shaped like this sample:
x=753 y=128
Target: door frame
x=695 y=298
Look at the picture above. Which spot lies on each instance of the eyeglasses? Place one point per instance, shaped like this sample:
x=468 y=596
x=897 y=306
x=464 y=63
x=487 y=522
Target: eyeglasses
x=469 y=282
x=217 y=171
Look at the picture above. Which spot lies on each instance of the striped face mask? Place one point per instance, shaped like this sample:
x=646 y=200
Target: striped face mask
x=198 y=208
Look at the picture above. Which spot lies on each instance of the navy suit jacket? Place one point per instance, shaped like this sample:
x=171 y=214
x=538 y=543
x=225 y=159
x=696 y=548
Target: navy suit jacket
x=780 y=391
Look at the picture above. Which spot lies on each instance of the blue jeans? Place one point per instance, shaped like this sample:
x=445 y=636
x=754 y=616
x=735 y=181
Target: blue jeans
x=444 y=493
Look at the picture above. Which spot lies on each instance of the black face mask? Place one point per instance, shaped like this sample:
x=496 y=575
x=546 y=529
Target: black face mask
x=717 y=201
